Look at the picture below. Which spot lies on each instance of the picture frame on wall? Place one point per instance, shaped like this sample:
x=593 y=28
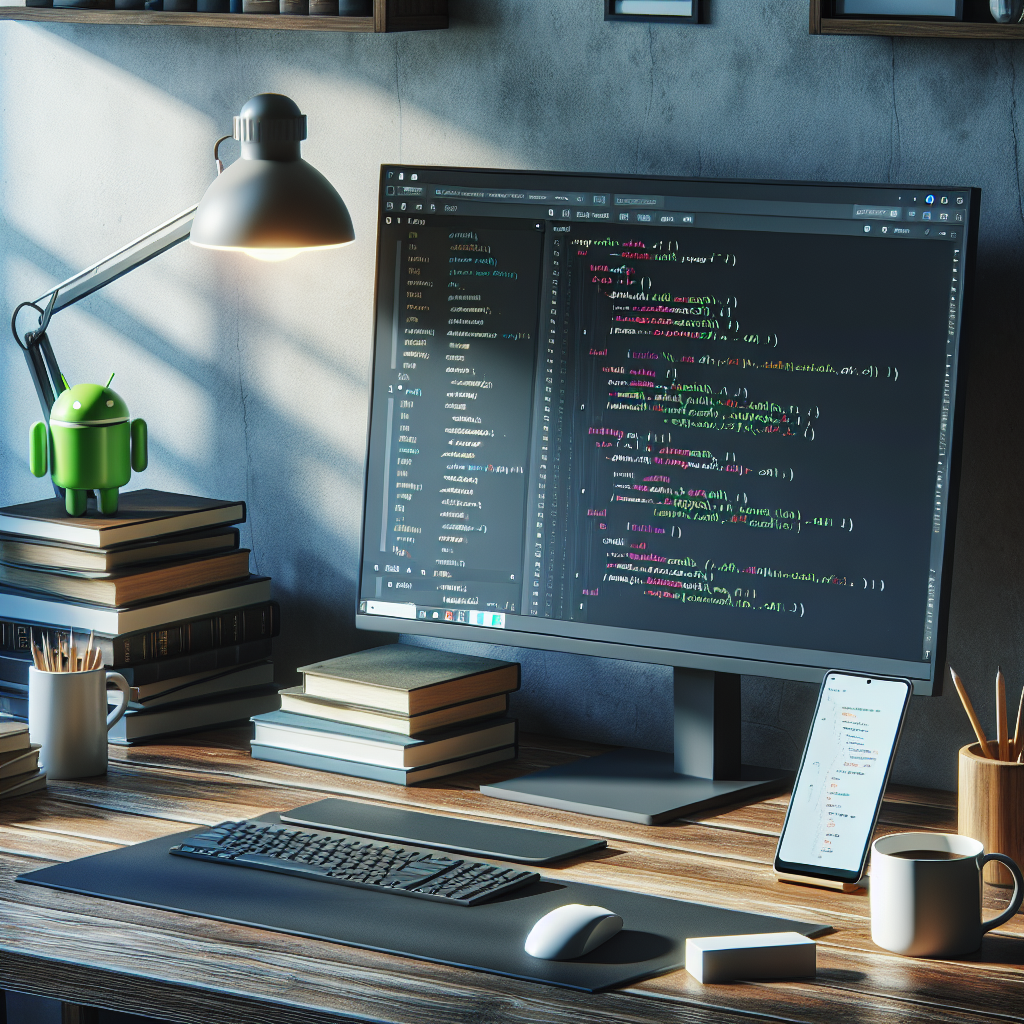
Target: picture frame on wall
x=670 y=12
x=945 y=10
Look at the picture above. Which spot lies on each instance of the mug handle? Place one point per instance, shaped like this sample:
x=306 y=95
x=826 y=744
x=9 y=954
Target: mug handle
x=122 y=684
x=1018 y=889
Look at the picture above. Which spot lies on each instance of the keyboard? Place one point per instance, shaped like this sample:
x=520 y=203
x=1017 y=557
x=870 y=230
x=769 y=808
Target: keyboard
x=361 y=863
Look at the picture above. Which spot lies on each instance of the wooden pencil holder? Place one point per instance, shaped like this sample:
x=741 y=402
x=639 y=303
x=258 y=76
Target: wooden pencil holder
x=990 y=807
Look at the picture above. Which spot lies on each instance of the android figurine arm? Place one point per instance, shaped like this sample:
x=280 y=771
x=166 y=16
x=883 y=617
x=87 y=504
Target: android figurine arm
x=39 y=449
x=140 y=446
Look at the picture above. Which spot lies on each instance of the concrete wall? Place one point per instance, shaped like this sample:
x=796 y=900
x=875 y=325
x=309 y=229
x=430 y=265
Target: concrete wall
x=253 y=377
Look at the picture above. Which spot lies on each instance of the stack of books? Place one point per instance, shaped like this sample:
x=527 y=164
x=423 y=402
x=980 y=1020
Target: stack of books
x=398 y=713
x=19 y=760
x=166 y=591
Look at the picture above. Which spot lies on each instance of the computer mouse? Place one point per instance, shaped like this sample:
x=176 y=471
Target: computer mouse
x=571 y=931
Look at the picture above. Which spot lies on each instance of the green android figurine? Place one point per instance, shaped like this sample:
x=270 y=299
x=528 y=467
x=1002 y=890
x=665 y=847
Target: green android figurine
x=89 y=446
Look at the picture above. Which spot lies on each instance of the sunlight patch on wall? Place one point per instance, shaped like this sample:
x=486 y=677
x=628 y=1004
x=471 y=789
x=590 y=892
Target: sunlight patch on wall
x=165 y=296
x=77 y=205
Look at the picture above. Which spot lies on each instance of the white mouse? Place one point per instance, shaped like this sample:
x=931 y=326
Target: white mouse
x=571 y=931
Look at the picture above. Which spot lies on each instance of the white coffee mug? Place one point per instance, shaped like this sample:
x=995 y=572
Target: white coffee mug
x=67 y=716
x=923 y=906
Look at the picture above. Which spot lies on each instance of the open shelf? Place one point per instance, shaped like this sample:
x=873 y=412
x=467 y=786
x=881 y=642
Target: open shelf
x=823 y=23
x=388 y=16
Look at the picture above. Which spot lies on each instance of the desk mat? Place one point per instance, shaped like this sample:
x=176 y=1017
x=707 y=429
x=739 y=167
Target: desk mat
x=488 y=937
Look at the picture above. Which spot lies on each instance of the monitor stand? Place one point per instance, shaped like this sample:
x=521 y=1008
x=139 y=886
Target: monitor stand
x=651 y=787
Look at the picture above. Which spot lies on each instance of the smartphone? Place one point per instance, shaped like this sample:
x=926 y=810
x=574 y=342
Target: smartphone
x=842 y=776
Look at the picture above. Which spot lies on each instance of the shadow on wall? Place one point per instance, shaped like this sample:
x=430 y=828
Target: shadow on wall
x=287 y=484
x=552 y=85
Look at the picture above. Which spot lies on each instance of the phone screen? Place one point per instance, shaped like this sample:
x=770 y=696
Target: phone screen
x=844 y=770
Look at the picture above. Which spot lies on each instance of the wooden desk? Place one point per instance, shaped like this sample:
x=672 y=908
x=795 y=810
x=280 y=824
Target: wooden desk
x=90 y=952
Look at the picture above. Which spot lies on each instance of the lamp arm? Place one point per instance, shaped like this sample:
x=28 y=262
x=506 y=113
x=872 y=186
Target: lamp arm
x=42 y=364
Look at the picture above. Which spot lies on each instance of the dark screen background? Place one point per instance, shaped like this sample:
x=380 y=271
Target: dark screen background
x=814 y=392
x=748 y=427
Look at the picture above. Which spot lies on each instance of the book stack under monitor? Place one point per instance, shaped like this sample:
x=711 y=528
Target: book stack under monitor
x=19 y=760
x=166 y=592
x=398 y=713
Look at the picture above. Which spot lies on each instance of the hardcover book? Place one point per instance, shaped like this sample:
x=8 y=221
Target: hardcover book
x=294 y=699
x=13 y=734
x=14 y=705
x=19 y=762
x=18 y=785
x=23 y=606
x=48 y=554
x=211 y=641
x=392 y=750
x=409 y=680
x=141 y=515
x=358 y=769
x=137 y=726
x=189 y=689
x=134 y=585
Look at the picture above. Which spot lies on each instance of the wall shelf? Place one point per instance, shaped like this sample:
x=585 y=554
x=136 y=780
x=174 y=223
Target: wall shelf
x=823 y=23
x=388 y=16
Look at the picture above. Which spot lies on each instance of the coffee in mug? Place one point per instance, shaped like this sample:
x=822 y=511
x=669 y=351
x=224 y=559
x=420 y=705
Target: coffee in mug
x=928 y=855
x=926 y=894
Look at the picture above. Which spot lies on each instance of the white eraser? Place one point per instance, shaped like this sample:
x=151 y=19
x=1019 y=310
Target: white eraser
x=717 y=958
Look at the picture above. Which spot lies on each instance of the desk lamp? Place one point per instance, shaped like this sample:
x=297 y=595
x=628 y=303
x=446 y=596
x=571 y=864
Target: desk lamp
x=270 y=204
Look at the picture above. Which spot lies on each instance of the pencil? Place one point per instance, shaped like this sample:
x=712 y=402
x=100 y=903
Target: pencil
x=1002 y=727
x=37 y=655
x=969 y=708
x=1018 y=733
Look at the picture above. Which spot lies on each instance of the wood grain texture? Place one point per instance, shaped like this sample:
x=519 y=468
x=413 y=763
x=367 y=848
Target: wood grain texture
x=90 y=952
x=822 y=23
x=991 y=807
x=388 y=16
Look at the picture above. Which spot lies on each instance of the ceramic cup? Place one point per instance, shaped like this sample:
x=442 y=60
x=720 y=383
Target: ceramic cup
x=926 y=907
x=67 y=716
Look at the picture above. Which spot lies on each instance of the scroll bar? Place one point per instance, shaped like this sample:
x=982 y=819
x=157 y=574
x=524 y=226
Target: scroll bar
x=387 y=478
x=391 y=401
x=394 y=318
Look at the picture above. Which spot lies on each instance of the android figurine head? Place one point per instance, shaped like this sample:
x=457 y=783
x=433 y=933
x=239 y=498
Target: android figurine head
x=90 y=445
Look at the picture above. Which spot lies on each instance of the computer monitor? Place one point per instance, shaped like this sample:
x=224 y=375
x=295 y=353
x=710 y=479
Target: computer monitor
x=708 y=424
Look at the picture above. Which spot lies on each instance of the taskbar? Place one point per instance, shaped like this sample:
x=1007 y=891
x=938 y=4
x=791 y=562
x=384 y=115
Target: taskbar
x=465 y=616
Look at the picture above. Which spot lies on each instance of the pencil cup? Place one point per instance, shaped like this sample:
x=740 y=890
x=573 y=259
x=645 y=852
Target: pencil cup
x=990 y=807
x=67 y=716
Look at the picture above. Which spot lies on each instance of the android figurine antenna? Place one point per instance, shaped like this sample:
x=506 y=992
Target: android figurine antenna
x=90 y=445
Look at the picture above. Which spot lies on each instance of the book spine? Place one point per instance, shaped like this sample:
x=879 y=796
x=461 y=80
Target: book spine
x=226 y=629
x=14 y=705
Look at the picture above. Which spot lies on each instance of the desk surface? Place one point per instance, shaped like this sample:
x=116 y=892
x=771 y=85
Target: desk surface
x=98 y=953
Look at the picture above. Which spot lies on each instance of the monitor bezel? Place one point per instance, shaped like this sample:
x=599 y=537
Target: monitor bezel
x=928 y=682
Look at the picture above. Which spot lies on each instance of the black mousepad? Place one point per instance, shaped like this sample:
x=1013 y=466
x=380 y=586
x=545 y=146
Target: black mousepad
x=488 y=937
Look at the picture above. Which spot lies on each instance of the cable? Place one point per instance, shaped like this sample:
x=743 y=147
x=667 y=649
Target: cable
x=14 y=322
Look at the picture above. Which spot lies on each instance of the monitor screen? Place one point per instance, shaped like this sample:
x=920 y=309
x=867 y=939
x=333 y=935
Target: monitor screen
x=701 y=423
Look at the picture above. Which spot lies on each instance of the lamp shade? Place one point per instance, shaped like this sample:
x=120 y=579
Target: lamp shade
x=271 y=204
